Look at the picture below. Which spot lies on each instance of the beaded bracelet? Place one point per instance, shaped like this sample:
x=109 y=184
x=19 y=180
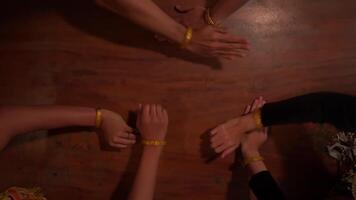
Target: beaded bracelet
x=208 y=19
x=154 y=142
x=257 y=118
x=252 y=159
x=187 y=37
x=98 y=118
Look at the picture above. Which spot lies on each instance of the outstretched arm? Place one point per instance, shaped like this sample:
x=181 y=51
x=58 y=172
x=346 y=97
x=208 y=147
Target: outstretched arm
x=22 y=119
x=147 y=14
x=152 y=123
x=207 y=41
x=222 y=9
x=261 y=182
x=321 y=107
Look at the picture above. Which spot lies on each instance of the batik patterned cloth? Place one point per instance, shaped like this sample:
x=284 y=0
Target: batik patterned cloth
x=343 y=149
x=18 y=193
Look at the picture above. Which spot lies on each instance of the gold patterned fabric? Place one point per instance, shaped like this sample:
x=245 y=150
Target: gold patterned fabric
x=18 y=193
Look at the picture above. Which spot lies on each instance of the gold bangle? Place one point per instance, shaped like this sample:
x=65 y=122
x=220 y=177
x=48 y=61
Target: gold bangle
x=154 y=142
x=98 y=118
x=257 y=118
x=208 y=19
x=187 y=37
x=252 y=159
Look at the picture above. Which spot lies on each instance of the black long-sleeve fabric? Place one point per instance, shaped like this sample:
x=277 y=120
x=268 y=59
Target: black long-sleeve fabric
x=321 y=107
x=265 y=187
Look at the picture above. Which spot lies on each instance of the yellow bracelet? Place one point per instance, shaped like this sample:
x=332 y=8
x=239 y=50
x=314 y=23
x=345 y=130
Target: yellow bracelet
x=187 y=37
x=98 y=118
x=252 y=159
x=208 y=19
x=257 y=118
x=154 y=142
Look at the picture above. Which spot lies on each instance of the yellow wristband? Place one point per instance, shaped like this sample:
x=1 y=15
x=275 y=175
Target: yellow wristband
x=154 y=142
x=257 y=118
x=208 y=19
x=187 y=37
x=252 y=159
x=98 y=118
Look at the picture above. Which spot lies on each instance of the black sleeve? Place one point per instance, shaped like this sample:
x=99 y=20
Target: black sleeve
x=322 y=107
x=265 y=187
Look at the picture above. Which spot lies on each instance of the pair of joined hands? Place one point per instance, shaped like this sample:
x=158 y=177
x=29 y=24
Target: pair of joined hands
x=227 y=137
x=152 y=123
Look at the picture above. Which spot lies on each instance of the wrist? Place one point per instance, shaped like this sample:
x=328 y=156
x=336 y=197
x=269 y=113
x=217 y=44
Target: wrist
x=153 y=149
x=249 y=152
x=248 y=122
x=101 y=117
x=178 y=33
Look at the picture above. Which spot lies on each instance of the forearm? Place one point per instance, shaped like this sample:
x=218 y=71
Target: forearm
x=261 y=182
x=333 y=108
x=256 y=166
x=145 y=181
x=147 y=14
x=224 y=8
x=265 y=187
x=336 y=109
x=22 y=119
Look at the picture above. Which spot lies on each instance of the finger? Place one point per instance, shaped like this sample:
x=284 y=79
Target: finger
x=228 y=38
x=228 y=151
x=165 y=115
x=216 y=142
x=124 y=141
x=214 y=131
x=129 y=129
x=153 y=110
x=222 y=148
x=229 y=47
x=254 y=105
x=139 y=110
x=129 y=136
x=260 y=102
x=228 y=55
x=220 y=29
x=247 y=109
x=146 y=111
x=159 y=110
x=120 y=146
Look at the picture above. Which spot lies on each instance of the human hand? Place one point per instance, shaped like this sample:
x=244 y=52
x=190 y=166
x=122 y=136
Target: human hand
x=152 y=122
x=115 y=130
x=252 y=141
x=216 y=42
x=227 y=136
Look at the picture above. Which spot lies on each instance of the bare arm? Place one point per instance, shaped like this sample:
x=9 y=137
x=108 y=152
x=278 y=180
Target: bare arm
x=147 y=14
x=145 y=181
x=262 y=183
x=22 y=119
x=206 y=41
x=152 y=123
x=224 y=8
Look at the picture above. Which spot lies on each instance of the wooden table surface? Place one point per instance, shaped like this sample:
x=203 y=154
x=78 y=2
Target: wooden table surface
x=75 y=53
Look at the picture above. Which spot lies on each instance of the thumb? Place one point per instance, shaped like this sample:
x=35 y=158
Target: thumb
x=228 y=151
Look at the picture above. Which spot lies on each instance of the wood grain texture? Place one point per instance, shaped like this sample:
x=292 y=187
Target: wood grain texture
x=73 y=52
